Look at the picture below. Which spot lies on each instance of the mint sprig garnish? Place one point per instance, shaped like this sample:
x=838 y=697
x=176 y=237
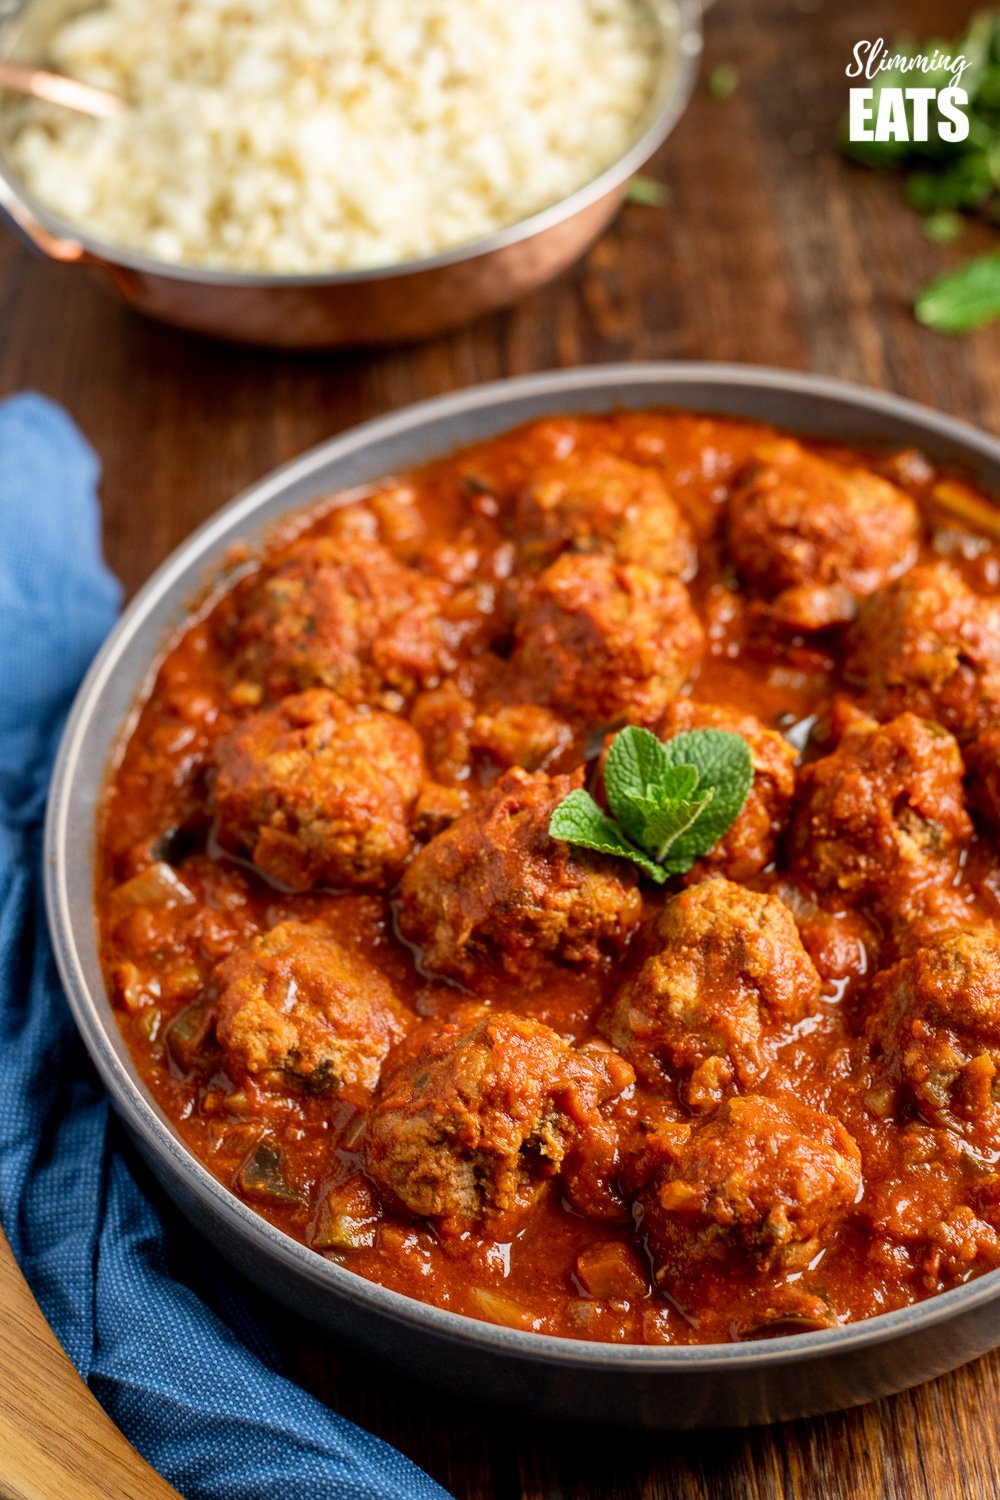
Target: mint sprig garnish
x=668 y=803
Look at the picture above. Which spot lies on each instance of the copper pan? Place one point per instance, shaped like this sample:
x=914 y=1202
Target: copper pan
x=413 y=300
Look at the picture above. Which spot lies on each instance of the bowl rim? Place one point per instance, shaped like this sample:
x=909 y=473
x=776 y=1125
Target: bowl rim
x=662 y=113
x=185 y=570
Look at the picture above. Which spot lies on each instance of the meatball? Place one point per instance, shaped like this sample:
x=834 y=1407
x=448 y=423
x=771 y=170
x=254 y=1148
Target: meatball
x=935 y=910
x=443 y=717
x=931 y=645
x=474 y=1117
x=934 y=1213
x=343 y=613
x=728 y=964
x=606 y=643
x=521 y=734
x=764 y=1183
x=749 y=845
x=808 y=535
x=297 y=1002
x=455 y=735
x=391 y=516
x=601 y=503
x=319 y=793
x=494 y=891
x=882 y=817
x=934 y=1023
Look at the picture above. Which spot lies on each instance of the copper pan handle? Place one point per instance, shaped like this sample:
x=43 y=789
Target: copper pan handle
x=70 y=93
x=52 y=246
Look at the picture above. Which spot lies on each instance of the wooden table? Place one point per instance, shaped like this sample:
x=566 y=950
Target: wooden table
x=771 y=250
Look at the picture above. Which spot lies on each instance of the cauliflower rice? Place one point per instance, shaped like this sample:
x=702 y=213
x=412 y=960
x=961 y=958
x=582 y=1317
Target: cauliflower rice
x=324 y=135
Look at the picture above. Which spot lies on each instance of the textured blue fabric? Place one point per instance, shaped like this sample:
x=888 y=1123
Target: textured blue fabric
x=158 y=1327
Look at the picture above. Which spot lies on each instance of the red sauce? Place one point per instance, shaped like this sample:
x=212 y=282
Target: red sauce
x=173 y=904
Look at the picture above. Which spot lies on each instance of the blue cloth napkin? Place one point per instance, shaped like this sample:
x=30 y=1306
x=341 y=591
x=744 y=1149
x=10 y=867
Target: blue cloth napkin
x=155 y=1324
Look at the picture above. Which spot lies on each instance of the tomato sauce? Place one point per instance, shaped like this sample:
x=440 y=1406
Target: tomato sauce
x=174 y=903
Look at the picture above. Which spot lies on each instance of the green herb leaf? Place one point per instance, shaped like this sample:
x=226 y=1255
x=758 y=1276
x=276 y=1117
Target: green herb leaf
x=668 y=822
x=943 y=227
x=654 y=819
x=639 y=767
x=648 y=192
x=963 y=300
x=725 y=768
x=579 y=820
x=670 y=803
x=723 y=81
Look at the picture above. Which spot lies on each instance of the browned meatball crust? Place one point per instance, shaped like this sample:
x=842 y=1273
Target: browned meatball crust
x=344 y=614
x=749 y=845
x=883 y=816
x=606 y=643
x=602 y=503
x=765 y=1182
x=456 y=736
x=803 y=531
x=297 y=1003
x=520 y=734
x=947 y=1240
x=934 y=1022
x=929 y=644
x=472 y=1120
x=728 y=967
x=319 y=793
x=443 y=717
x=495 y=891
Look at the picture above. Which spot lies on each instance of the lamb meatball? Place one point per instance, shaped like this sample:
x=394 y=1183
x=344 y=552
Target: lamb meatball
x=934 y=1213
x=297 y=1002
x=764 y=1183
x=728 y=965
x=606 y=643
x=805 y=533
x=456 y=735
x=929 y=644
x=749 y=845
x=934 y=1022
x=601 y=503
x=344 y=614
x=521 y=734
x=319 y=793
x=474 y=1117
x=882 y=817
x=495 y=891
x=443 y=717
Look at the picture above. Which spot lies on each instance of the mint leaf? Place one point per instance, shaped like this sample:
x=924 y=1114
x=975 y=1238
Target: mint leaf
x=636 y=764
x=723 y=81
x=965 y=299
x=646 y=191
x=579 y=820
x=942 y=226
x=670 y=803
x=638 y=777
x=666 y=823
x=725 y=768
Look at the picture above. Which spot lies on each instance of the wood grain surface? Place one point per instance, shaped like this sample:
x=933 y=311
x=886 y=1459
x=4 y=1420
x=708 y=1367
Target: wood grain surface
x=771 y=250
x=55 y=1441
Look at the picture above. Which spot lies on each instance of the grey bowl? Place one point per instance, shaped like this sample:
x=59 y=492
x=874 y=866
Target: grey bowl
x=712 y=1385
